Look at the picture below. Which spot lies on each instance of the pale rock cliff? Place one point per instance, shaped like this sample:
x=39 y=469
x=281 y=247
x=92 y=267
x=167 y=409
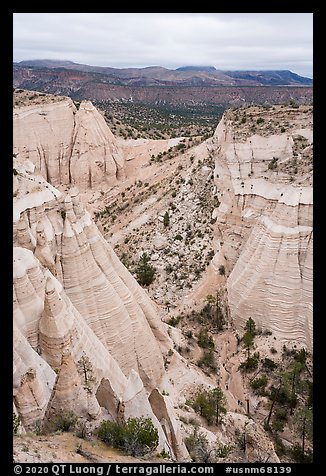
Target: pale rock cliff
x=75 y=302
x=67 y=146
x=265 y=226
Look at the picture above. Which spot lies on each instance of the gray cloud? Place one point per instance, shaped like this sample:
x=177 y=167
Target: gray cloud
x=225 y=40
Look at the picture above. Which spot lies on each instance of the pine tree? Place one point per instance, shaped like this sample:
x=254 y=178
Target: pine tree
x=85 y=367
x=144 y=271
x=166 y=219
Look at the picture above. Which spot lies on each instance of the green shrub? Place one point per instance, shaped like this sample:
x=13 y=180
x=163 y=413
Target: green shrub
x=164 y=454
x=174 y=321
x=112 y=433
x=205 y=340
x=169 y=268
x=222 y=451
x=198 y=447
x=140 y=436
x=221 y=270
x=207 y=360
x=278 y=445
x=64 y=422
x=250 y=364
x=15 y=423
x=136 y=436
x=273 y=163
x=178 y=237
x=144 y=271
x=260 y=120
x=82 y=429
x=166 y=219
x=259 y=384
x=269 y=364
x=299 y=457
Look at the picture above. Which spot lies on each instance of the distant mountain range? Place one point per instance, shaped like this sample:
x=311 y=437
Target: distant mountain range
x=185 y=75
x=188 y=85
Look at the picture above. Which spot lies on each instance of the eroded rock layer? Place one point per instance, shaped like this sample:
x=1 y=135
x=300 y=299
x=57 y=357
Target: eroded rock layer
x=67 y=146
x=263 y=182
x=87 y=337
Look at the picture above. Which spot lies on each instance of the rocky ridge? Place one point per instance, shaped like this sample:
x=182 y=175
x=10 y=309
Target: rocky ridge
x=83 y=152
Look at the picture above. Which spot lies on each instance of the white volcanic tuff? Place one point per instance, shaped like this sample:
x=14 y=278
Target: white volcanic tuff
x=43 y=134
x=57 y=323
x=31 y=193
x=68 y=146
x=95 y=155
x=163 y=410
x=106 y=303
x=266 y=228
x=28 y=302
x=61 y=331
x=99 y=286
x=64 y=337
x=33 y=380
x=69 y=394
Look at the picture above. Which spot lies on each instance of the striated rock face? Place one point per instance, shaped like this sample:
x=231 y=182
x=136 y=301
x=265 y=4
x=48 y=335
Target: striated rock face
x=66 y=145
x=263 y=182
x=86 y=335
x=108 y=298
x=69 y=394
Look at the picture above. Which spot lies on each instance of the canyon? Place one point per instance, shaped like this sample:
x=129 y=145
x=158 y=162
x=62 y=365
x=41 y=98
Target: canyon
x=88 y=205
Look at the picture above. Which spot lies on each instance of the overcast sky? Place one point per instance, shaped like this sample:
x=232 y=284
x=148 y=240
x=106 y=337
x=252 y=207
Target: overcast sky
x=224 y=40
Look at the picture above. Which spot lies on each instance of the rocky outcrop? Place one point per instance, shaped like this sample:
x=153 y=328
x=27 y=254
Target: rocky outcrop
x=69 y=395
x=87 y=337
x=66 y=145
x=107 y=297
x=265 y=225
x=257 y=446
x=163 y=411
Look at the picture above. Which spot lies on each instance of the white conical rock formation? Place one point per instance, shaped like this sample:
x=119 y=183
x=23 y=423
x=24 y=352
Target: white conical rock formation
x=68 y=146
x=93 y=282
x=69 y=394
x=56 y=326
x=24 y=237
x=51 y=323
x=95 y=310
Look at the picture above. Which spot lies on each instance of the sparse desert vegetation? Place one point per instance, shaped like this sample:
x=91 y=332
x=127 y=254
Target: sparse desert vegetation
x=136 y=120
x=179 y=218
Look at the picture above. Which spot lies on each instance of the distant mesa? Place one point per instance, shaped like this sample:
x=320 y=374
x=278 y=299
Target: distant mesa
x=272 y=78
x=209 y=69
